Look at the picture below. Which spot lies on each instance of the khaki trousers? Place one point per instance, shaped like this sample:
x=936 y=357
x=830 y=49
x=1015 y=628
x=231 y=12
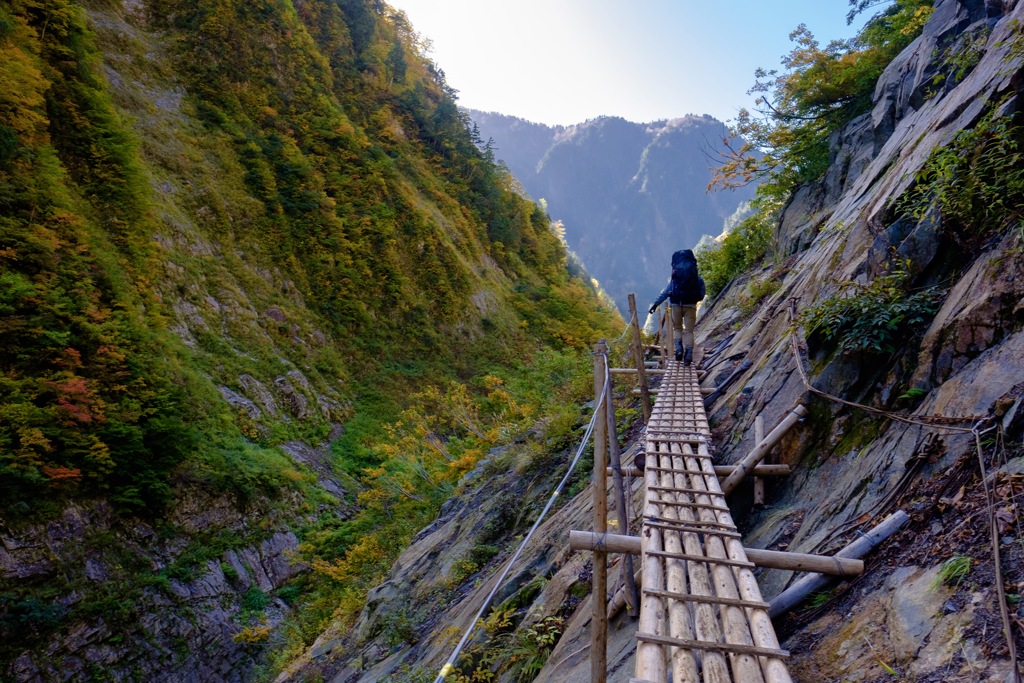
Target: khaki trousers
x=684 y=320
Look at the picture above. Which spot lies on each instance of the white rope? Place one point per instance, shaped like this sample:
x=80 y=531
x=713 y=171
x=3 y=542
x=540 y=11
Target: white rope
x=449 y=665
x=625 y=331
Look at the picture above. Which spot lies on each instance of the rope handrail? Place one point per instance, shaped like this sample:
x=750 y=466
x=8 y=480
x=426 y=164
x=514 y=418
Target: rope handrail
x=932 y=421
x=625 y=331
x=449 y=664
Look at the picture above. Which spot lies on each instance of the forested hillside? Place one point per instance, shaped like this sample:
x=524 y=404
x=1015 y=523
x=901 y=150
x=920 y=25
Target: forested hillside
x=264 y=299
x=628 y=193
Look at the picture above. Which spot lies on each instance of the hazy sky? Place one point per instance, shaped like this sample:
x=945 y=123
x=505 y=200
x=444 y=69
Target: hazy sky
x=565 y=61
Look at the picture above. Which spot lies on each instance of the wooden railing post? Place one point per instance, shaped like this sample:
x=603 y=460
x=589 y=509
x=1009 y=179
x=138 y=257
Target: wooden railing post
x=758 y=481
x=638 y=356
x=670 y=335
x=666 y=330
x=755 y=456
x=599 y=593
x=626 y=565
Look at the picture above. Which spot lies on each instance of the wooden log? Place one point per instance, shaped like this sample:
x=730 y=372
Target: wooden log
x=618 y=600
x=654 y=392
x=755 y=456
x=800 y=590
x=650 y=661
x=739 y=370
x=725 y=470
x=599 y=625
x=761 y=629
x=714 y=646
x=702 y=622
x=802 y=562
x=758 y=481
x=767 y=559
x=638 y=358
x=735 y=624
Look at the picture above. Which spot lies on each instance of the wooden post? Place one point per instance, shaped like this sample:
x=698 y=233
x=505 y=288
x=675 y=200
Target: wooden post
x=798 y=592
x=638 y=355
x=670 y=334
x=599 y=593
x=626 y=566
x=758 y=481
x=760 y=450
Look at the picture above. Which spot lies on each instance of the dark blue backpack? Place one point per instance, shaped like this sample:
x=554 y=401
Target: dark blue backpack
x=687 y=285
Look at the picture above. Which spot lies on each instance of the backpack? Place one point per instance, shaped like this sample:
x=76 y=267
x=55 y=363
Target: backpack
x=687 y=285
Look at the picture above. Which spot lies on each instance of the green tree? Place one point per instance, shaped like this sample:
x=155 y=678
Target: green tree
x=819 y=90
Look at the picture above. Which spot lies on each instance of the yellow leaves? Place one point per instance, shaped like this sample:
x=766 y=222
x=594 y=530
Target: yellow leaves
x=367 y=552
x=22 y=100
x=253 y=635
x=467 y=462
x=917 y=22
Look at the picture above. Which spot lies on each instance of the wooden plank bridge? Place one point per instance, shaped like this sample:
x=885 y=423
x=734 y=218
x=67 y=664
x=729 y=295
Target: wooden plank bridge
x=702 y=617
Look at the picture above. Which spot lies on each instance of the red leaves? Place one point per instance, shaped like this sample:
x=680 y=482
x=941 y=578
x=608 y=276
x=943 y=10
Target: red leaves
x=57 y=474
x=77 y=402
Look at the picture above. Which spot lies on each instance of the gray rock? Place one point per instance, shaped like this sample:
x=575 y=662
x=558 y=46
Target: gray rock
x=294 y=400
x=241 y=402
x=255 y=390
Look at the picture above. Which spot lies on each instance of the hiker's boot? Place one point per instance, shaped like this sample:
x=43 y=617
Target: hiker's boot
x=687 y=356
x=679 y=350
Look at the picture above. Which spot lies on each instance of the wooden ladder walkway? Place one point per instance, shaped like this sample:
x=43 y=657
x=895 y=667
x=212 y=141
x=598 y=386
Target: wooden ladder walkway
x=702 y=616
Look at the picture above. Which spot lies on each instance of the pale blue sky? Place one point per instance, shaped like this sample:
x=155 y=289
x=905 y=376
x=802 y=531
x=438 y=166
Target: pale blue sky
x=565 y=61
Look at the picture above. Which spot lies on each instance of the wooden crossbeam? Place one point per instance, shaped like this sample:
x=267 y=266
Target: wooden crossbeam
x=708 y=646
x=725 y=470
x=699 y=558
x=709 y=600
x=670 y=521
x=694 y=529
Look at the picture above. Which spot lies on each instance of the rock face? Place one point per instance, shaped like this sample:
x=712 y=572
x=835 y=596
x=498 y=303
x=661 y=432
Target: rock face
x=904 y=617
x=186 y=613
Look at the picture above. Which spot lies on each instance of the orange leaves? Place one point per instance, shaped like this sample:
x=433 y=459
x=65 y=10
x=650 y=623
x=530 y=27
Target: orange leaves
x=56 y=474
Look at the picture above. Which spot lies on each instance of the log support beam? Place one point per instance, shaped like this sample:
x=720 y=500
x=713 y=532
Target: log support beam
x=769 y=559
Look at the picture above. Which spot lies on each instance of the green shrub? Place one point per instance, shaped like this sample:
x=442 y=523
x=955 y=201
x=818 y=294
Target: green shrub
x=532 y=646
x=254 y=600
x=22 y=615
x=758 y=290
x=874 y=317
x=820 y=90
x=976 y=182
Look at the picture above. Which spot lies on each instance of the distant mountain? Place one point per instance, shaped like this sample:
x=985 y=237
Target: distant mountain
x=628 y=193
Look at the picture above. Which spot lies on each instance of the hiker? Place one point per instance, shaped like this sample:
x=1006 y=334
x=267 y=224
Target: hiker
x=685 y=288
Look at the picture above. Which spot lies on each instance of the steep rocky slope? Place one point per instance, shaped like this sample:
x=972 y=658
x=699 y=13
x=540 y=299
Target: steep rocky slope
x=912 y=616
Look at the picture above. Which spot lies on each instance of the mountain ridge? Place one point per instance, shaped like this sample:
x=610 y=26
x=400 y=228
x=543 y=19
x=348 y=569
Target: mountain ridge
x=628 y=193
